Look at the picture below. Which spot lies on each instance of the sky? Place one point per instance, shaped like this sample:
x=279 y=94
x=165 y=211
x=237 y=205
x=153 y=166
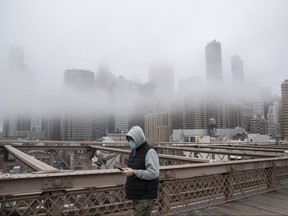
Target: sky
x=129 y=35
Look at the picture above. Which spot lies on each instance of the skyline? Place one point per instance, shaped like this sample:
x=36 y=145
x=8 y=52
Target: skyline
x=129 y=36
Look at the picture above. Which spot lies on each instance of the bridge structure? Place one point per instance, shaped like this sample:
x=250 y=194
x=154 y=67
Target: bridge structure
x=78 y=178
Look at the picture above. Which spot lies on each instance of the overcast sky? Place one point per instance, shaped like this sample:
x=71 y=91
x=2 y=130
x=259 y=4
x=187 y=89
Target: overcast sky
x=128 y=35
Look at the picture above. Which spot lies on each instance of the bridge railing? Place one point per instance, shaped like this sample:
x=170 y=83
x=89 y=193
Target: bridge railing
x=182 y=188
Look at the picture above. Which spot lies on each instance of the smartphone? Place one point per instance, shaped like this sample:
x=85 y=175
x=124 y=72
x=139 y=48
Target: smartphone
x=120 y=168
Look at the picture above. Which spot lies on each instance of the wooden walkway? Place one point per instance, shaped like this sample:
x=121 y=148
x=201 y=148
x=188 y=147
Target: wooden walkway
x=273 y=203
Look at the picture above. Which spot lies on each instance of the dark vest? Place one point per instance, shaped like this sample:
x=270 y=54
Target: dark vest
x=137 y=188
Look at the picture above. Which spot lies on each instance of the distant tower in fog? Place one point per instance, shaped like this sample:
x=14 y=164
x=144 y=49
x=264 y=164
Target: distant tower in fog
x=213 y=61
x=237 y=69
x=79 y=79
x=19 y=73
x=77 y=124
x=104 y=78
x=121 y=94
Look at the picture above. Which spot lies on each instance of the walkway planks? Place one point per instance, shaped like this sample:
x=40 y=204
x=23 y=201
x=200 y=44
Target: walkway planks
x=273 y=203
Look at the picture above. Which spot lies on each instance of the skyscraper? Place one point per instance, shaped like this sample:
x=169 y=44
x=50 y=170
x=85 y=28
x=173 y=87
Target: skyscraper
x=158 y=127
x=121 y=93
x=272 y=120
x=76 y=123
x=19 y=73
x=233 y=115
x=195 y=114
x=76 y=126
x=213 y=62
x=20 y=80
x=237 y=69
x=246 y=114
x=79 y=79
x=284 y=92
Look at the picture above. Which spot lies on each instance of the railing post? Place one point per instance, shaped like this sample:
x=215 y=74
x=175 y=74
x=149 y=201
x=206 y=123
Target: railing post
x=271 y=176
x=164 y=200
x=54 y=204
x=228 y=187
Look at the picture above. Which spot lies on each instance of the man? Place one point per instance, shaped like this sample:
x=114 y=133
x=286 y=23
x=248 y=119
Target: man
x=142 y=173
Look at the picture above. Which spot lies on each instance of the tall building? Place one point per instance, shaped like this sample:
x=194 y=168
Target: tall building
x=195 y=112
x=76 y=126
x=76 y=123
x=246 y=116
x=121 y=94
x=104 y=78
x=237 y=69
x=158 y=127
x=213 y=62
x=79 y=79
x=217 y=109
x=284 y=123
x=272 y=120
x=258 y=125
x=233 y=115
x=177 y=112
x=13 y=124
x=104 y=82
x=100 y=124
x=258 y=109
x=199 y=108
x=19 y=73
x=51 y=124
x=10 y=127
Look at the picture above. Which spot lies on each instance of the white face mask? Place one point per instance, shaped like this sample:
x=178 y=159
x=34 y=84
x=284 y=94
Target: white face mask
x=132 y=144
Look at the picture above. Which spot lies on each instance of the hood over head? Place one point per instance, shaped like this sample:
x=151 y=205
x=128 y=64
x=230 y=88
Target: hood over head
x=137 y=135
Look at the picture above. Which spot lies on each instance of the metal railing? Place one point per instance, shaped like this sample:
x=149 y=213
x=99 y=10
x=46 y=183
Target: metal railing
x=183 y=188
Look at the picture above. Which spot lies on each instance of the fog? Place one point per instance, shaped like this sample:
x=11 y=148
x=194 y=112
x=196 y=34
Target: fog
x=128 y=36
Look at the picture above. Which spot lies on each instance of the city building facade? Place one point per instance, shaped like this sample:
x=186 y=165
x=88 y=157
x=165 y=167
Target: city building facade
x=284 y=123
x=158 y=127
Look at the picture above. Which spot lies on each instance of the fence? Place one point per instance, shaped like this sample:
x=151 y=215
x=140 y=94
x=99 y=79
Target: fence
x=182 y=188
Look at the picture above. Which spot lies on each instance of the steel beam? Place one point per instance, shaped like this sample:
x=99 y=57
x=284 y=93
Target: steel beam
x=162 y=156
x=224 y=152
x=29 y=160
x=247 y=148
x=33 y=183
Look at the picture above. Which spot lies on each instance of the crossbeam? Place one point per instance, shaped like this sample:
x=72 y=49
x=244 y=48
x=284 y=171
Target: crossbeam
x=224 y=152
x=163 y=156
x=30 y=161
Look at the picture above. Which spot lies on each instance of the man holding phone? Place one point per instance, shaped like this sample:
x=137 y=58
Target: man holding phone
x=142 y=173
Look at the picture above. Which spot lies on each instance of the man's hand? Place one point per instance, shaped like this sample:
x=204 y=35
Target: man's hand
x=128 y=171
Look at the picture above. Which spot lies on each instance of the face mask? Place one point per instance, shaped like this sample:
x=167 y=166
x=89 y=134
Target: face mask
x=132 y=144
